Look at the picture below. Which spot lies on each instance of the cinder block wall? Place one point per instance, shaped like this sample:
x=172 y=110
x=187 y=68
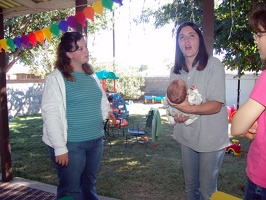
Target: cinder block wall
x=25 y=97
x=156 y=85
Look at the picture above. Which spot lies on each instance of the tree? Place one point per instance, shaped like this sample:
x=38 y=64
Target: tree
x=18 y=26
x=41 y=57
x=143 y=68
x=233 y=36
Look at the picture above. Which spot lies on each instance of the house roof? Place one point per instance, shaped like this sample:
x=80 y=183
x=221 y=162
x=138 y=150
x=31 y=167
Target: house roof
x=13 y=8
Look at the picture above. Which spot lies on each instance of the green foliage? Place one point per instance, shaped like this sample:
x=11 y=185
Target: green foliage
x=143 y=68
x=41 y=58
x=232 y=33
x=233 y=36
x=130 y=82
x=129 y=85
x=17 y=26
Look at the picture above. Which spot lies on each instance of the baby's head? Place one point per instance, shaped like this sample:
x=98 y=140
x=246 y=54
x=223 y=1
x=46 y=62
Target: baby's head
x=177 y=91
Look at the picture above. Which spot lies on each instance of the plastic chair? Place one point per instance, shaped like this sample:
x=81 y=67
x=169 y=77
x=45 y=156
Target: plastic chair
x=119 y=124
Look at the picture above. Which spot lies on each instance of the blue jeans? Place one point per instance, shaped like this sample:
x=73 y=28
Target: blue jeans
x=78 y=179
x=201 y=171
x=254 y=192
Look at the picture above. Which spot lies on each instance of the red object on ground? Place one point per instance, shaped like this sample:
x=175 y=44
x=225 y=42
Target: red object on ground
x=234 y=148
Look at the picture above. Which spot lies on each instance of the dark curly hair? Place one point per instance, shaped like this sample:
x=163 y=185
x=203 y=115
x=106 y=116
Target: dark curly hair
x=69 y=44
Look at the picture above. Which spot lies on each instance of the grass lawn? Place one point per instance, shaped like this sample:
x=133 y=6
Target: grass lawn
x=133 y=173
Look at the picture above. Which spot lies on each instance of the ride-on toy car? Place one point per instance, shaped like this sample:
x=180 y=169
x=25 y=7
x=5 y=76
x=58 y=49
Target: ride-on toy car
x=234 y=148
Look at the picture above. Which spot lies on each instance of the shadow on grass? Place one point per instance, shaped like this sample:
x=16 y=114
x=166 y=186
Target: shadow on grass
x=140 y=171
x=30 y=156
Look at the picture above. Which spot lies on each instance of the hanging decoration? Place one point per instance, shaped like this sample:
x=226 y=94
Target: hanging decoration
x=71 y=21
x=108 y=4
x=39 y=36
x=80 y=18
x=32 y=39
x=89 y=13
x=11 y=44
x=118 y=1
x=63 y=25
x=24 y=40
x=47 y=33
x=3 y=45
x=55 y=30
x=17 y=42
x=98 y=7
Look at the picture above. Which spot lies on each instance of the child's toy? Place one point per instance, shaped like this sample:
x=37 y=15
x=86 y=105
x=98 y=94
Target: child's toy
x=234 y=148
x=118 y=104
x=223 y=196
x=231 y=112
x=116 y=101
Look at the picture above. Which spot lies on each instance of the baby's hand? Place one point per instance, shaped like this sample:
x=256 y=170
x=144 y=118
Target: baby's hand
x=180 y=118
x=193 y=87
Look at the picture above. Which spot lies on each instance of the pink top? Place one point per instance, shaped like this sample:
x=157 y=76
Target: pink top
x=256 y=160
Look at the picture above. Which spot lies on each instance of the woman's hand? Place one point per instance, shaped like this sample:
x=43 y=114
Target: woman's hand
x=62 y=160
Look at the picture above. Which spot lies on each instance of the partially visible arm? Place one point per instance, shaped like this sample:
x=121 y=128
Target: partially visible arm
x=53 y=114
x=245 y=117
x=105 y=105
x=111 y=116
x=252 y=131
x=207 y=108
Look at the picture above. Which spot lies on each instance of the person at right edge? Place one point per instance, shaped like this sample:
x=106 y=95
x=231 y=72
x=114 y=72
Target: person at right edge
x=202 y=143
x=252 y=114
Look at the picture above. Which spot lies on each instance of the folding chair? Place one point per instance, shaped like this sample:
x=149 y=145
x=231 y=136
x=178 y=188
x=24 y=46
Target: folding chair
x=119 y=125
x=139 y=134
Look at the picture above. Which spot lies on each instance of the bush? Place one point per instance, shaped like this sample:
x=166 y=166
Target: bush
x=129 y=83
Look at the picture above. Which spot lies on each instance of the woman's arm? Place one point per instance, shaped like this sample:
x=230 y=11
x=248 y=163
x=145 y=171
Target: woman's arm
x=105 y=105
x=207 y=108
x=245 y=117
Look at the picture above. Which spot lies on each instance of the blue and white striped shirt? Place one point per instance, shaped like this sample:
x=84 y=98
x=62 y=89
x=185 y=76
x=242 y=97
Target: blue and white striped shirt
x=83 y=108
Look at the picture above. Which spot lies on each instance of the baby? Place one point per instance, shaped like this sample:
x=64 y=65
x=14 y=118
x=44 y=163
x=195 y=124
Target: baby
x=177 y=91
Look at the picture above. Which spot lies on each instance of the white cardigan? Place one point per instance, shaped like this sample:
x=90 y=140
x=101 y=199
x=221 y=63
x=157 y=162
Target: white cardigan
x=53 y=109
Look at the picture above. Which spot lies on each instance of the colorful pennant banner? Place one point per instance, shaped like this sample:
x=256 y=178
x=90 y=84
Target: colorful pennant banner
x=47 y=32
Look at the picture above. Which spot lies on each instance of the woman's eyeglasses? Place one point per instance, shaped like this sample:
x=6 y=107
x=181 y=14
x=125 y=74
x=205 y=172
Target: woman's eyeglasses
x=258 y=35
